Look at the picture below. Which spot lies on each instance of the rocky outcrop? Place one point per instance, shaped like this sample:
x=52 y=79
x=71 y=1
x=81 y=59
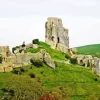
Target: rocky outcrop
x=85 y=60
x=56 y=35
x=96 y=67
x=30 y=45
x=6 y=67
x=44 y=57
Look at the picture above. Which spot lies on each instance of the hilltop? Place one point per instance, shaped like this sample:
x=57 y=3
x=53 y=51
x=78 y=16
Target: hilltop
x=66 y=82
x=49 y=70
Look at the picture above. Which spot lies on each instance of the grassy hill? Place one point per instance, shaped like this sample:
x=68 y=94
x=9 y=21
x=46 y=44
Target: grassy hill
x=90 y=49
x=66 y=81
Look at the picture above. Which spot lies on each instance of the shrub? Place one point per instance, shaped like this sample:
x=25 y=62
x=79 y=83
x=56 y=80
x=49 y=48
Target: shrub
x=23 y=45
x=36 y=62
x=32 y=75
x=13 y=49
x=16 y=71
x=22 y=70
x=35 y=41
x=73 y=60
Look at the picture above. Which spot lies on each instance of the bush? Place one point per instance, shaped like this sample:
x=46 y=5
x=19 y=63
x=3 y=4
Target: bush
x=35 y=41
x=16 y=71
x=32 y=75
x=73 y=60
x=36 y=62
x=23 y=45
x=22 y=70
x=13 y=49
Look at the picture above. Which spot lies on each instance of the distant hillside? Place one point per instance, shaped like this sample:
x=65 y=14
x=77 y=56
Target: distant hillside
x=93 y=49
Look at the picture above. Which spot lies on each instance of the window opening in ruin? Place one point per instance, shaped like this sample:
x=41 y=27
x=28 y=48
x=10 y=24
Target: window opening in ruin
x=52 y=38
x=7 y=54
x=58 y=39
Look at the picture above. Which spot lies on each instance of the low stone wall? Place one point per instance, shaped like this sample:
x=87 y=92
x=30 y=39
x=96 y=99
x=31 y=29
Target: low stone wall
x=20 y=60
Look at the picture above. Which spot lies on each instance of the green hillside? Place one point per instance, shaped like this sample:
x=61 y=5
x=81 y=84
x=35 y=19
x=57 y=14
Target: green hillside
x=65 y=82
x=90 y=49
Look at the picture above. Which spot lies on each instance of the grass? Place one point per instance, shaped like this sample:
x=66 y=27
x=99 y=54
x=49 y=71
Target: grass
x=78 y=82
x=56 y=55
x=90 y=50
x=75 y=82
x=3 y=79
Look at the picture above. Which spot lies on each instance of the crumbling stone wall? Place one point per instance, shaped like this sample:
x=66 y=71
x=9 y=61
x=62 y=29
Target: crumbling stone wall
x=56 y=35
x=5 y=52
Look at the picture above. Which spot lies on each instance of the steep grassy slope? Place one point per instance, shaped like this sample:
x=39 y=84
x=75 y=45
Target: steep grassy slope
x=90 y=49
x=73 y=82
x=77 y=83
x=56 y=55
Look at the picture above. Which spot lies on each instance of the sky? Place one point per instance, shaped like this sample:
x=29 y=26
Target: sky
x=24 y=20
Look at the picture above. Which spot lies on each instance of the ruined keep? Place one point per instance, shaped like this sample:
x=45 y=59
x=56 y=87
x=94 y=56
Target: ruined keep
x=56 y=35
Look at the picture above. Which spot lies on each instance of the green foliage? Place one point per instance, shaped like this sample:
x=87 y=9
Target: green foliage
x=70 y=82
x=35 y=41
x=37 y=62
x=93 y=50
x=32 y=75
x=56 y=55
x=66 y=81
x=14 y=48
x=31 y=50
x=19 y=70
x=73 y=60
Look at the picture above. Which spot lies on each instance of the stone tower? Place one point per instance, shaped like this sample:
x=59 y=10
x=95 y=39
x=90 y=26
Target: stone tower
x=56 y=35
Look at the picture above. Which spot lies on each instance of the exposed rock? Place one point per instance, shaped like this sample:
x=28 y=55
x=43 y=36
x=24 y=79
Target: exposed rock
x=6 y=67
x=16 y=51
x=48 y=60
x=1 y=69
x=62 y=48
x=44 y=57
x=85 y=60
x=74 y=50
x=97 y=66
x=80 y=59
x=56 y=34
x=30 y=45
x=5 y=52
x=35 y=46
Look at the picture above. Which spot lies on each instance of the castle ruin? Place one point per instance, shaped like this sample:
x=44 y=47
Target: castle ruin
x=56 y=35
